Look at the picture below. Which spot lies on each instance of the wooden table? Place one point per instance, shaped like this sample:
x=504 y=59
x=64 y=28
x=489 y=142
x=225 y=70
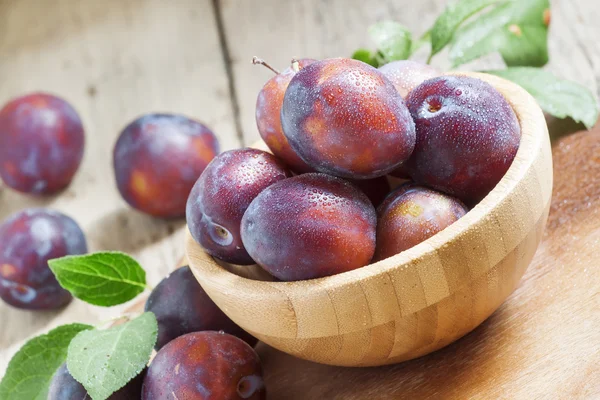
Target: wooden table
x=117 y=59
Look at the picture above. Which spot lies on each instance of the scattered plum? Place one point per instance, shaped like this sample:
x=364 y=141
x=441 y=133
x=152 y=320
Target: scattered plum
x=412 y=214
x=345 y=118
x=407 y=74
x=268 y=115
x=64 y=387
x=29 y=239
x=376 y=189
x=205 y=365
x=221 y=196
x=157 y=160
x=310 y=226
x=467 y=136
x=181 y=306
x=41 y=144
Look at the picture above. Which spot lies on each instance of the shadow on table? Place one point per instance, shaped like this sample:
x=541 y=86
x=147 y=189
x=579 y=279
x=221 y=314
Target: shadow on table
x=128 y=230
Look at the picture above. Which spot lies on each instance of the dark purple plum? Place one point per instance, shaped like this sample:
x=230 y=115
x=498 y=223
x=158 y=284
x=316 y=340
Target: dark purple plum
x=268 y=117
x=407 y=74
x=64 y=387
x=205 y=365
x=310 y=226
x=181 y=306
x=345 y=118
x=412 y=214
x=41 y=144
x=158 y=158
x=29 y=239
x=221 y=196
x=467 y=136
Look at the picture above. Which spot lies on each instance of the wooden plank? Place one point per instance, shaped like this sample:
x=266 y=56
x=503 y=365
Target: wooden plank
x=113 y=60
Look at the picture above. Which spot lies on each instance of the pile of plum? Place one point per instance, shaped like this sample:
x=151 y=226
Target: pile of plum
x=321 y=203
x=341 y=135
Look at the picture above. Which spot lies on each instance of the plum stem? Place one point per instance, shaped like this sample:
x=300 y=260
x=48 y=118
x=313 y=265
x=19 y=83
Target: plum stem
x=295 y=65
x=260 y=61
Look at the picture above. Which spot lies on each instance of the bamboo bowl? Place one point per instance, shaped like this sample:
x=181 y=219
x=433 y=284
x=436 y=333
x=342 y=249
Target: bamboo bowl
x=414 y=302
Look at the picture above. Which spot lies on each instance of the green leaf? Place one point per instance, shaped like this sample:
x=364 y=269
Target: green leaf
x=103 y=279
x=557 y=97
x=365 y=56
x=393 y=40
x=30 y=371
x=516 y=29
x=452 y=17
x=103 y=361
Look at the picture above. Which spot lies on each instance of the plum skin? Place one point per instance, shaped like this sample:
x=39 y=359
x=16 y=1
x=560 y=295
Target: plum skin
x=29 y=239
x=467 y=136
x=310 y=226
x=64 y=387
x=158 y=158
x=412 y=214
x=205 y=365
x=268 y=117
x=407 y=74
x=221 y=196
x=181 y=306
x=41 y=144
x=345 y=118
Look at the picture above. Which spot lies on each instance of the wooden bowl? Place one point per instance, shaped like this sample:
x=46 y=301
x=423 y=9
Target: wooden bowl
x=419 y=300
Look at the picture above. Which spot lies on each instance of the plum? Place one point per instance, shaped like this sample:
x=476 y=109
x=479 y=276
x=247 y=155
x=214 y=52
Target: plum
x=407 y=74
x=221 y=196
x=467 y=136
x=64 y=387
x=345 y=118
x=310 y=226
x=376 y=189
x=181 y=306
x=205 y=365
x=29 y=239
x=157 y=160
x=41 y=143
x=268 y=115
x=412 y=214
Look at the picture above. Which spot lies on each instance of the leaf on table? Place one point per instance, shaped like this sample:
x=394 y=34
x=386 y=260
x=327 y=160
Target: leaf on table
x=103 y=361
x=557 y=97
x=103 y=279
x=30 y=371
x=393 y=40
x=451 y=18
x=516 y=29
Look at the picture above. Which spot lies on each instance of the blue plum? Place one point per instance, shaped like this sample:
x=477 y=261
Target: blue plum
x=41 y=143
x=158 y=158
x=221 y=196
x=29 y=239
x=181 y=306
x=205 y=365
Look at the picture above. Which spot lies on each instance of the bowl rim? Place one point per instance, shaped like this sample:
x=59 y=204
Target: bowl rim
x=529 y=147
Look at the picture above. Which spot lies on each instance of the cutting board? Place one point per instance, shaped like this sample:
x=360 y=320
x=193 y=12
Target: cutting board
x=542 y=343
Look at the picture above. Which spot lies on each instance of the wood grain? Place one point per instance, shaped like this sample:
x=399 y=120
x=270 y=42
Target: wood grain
x=113 y=60
x=542 y=343
x=419 y=300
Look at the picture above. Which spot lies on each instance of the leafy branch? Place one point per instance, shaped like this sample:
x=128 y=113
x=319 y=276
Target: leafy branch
x=470 y=29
